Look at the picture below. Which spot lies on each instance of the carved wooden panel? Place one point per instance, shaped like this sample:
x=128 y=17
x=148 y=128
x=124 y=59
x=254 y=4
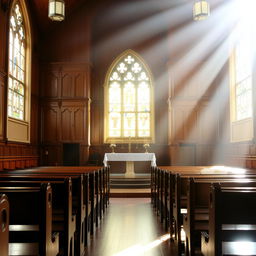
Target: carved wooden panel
x=65 y=115
x=79 y=124
x=34 y=119
x=50 y=84
x=96 y=123
x=80 y=85
x=67 y=85
x=73 y=84
x=50 y=124
x=66 y=124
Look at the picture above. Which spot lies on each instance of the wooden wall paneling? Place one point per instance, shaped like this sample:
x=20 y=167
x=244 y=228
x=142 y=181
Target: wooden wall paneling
x=74 y=126
x=183 y=154
x=73 y=85
x=184 y=122
x=50 y=123
x=67 y=85
x=75 y=80
x=66 y=123
x=80 y=85
x=50 y=83
x=70 y=40
x=84 y=154
x=97 y=122
x=67 y=114
x=161 y=122
x=79 y=124
x=3 y=39
x=2 y=106
x=194 y=132
x=208 y=123
x=34 y=129
x=51 y=154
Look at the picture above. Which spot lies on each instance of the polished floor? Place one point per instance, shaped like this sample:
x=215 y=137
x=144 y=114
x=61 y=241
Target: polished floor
x=130 y=227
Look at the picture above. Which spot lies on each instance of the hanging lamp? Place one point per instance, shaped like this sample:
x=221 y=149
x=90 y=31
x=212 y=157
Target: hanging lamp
x=56 y=10
x=201 y=10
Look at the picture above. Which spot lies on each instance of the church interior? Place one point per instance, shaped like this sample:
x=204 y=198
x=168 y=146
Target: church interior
x=127 y=127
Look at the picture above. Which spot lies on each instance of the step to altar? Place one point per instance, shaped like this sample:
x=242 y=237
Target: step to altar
x=137 y=186
x=139 y=181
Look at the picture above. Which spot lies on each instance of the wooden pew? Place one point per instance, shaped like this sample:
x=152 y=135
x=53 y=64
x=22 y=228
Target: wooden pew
x=102 y=182
x=100 y=195
x=202 y=172
x=99 y=192
x=196 y=219
x=30 y=222
x=153 y=185
x=64 y=220
x=4 y=225
x=232 y=219
x=103 y=188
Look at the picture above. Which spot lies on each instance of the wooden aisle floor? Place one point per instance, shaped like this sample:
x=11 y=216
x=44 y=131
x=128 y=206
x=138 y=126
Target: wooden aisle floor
x=130 y=227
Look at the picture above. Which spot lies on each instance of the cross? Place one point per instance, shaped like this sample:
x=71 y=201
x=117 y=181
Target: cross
x=129 y=59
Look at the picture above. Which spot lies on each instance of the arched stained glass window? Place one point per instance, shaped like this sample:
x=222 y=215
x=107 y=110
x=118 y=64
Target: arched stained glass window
x=128 y=104
x=17 y=64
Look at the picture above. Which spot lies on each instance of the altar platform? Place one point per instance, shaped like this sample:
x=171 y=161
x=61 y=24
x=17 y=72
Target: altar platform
x=136 y=186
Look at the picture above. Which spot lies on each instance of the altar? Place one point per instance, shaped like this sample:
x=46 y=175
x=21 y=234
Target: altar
x=130 y=158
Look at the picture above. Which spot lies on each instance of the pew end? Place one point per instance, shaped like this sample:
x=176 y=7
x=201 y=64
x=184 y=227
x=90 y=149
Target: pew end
x=4 y=225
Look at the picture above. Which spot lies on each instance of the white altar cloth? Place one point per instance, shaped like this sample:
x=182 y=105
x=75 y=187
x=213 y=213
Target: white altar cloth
x=130 y=157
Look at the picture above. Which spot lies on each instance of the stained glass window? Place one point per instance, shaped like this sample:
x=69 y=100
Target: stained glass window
x=17 y=63
x=129 y=107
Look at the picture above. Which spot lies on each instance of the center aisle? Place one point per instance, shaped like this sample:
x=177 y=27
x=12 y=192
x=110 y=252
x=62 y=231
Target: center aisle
x=130 y=228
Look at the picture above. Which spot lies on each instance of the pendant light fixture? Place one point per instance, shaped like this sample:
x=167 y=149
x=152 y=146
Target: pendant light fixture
x=201 y=10
x=56 y=10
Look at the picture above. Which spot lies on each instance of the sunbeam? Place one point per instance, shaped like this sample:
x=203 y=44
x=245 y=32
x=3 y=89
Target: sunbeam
x=140 y=249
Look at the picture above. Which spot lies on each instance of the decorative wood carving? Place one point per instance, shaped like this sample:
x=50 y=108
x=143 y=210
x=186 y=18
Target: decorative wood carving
x=50 y=124
x=66 y=124
x=65 y=114
x=50 y=84
x=79 y=118
x=67 y=85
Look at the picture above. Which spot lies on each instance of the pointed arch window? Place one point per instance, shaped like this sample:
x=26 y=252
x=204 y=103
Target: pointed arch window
x=241 y=77
x=129 y=105
x=243 y=60
x=19 y=72
x=17 y=64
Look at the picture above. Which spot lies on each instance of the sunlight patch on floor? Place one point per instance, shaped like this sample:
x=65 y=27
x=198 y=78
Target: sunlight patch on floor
x=140 y=249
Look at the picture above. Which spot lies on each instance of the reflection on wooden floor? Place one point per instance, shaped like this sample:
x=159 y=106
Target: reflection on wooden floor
x=130 y=227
